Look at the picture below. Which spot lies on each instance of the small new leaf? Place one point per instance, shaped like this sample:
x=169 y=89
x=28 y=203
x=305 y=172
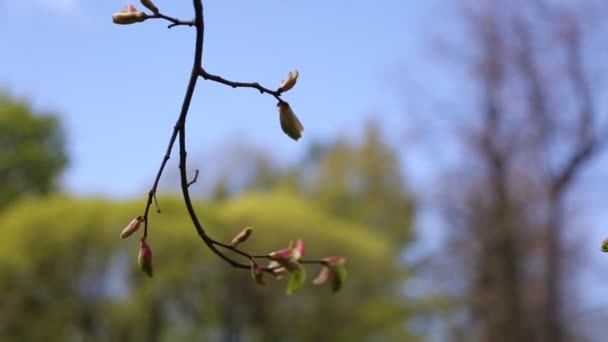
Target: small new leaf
x=334 y=270
x=337 y=277
x=296 y=280
x=289 y=82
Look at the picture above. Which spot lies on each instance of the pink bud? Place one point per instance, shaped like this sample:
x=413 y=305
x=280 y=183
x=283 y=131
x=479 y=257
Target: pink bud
x=285 y=258
x=145 y=257
x=282 y=254
x=241 y=237
x=322 y=277
x=299 y=250
x=335 y=260
x=132 y=227
x=277 y=269
x=288 y=258
x=130 y=8
x=256 y=272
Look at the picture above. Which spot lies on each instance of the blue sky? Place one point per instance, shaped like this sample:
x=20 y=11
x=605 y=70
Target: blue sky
x=118 y=88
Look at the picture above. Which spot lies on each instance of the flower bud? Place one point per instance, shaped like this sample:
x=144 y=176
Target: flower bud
x=296 y=280
x=289 y=121
x=256 y=272
x=145 y=257
x=286 y=259
x=335 y=260
x=132 y=227
x=297 y=250
x=604 y=246
x=127 y=18
x=281 y=254
x=241 y=237
x=129 y=15
x=150 y=5
x=289 y=82
x=277 y=269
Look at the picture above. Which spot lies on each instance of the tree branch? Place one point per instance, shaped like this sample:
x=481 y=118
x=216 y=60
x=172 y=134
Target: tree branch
x=207 y=76
x=194 y=179
x=174 y=21
x=179 y=131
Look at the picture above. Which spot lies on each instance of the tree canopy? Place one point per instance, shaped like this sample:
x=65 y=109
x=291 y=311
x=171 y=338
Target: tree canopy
x=67 y=277
x=32 y=150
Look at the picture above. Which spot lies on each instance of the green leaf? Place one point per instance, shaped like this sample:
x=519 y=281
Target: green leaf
x=296 y=280
x=337 y=277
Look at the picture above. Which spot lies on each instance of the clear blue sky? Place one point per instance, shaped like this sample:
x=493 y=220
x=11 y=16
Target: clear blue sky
x=118 y=88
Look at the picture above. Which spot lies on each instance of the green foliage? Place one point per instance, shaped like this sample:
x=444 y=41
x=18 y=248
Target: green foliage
x=296 y=280
x=32 y=152
x=337 y=277
x=66 y=275
x=364 y=182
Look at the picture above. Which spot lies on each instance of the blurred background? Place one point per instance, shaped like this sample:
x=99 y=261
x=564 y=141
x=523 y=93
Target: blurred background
x=455 y=152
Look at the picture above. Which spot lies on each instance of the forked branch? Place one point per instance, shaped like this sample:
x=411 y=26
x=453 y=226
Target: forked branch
x=284 y=261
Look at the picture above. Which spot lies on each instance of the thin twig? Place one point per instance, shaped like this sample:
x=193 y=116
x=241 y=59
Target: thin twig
x=156 y=203
x=152 y=192
x=204 y=74
x=179 y=130
x=194 y=179
x=174 y=21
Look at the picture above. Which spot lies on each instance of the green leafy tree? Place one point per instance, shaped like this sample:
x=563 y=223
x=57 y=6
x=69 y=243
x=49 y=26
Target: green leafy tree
x=32 y=151
x=364 y=181
x=65 y=277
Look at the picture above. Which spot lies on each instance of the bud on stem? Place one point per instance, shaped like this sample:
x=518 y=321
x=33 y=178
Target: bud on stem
x=145 y=257
x=290 y=124
x=132 y=227
x=256 y=272
x=289 y=82
x=150 y=5
x=241 y=237
x=129 y=15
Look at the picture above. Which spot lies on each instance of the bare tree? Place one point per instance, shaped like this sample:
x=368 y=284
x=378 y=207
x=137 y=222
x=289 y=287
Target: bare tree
x=533 y=129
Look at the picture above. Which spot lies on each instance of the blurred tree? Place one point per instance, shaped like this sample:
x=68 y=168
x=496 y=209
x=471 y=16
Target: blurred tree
x=364 y=182
x=32 y=152
x=66 y=277
x=534 y=128
x=360 y=181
